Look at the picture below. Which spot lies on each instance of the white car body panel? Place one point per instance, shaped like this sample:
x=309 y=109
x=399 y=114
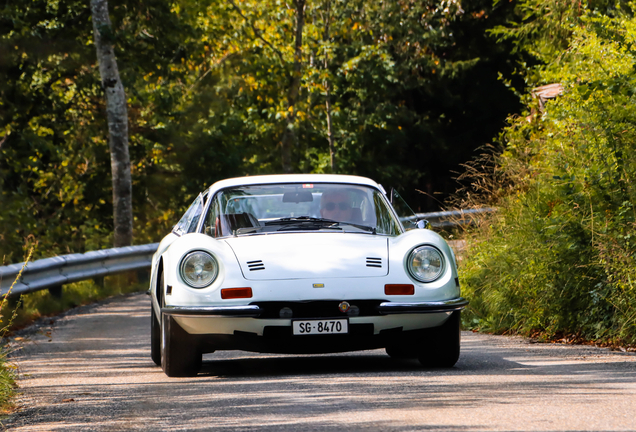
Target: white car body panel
x=310 y=255
x=294 y=178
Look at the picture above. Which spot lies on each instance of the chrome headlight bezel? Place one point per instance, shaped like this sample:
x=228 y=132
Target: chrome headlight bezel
x=208 y=258
x=433 y=252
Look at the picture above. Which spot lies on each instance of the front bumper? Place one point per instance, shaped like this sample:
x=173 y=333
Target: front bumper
x=388 y=308
x=255 y=328
x=255 y=311
x=247 y=311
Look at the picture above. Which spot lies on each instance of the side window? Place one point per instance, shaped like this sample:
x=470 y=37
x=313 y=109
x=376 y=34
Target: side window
x=196 y=214
x=386 y=223
x=211 y=222
x=404 y=212
x=190 y=218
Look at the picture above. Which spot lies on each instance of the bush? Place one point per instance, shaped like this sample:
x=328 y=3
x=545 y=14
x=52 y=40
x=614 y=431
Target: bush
x=558 y=257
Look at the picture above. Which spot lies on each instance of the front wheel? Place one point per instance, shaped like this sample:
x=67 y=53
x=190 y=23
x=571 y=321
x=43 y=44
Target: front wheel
x=155 y=337
x=441 y=348
x=180 y=356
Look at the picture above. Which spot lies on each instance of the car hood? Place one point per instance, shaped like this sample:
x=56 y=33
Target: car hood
x=311 y=255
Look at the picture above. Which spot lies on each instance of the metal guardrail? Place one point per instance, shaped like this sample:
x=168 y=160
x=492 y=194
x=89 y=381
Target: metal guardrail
x=52 y=273
x=57 y=271
x=446 y=219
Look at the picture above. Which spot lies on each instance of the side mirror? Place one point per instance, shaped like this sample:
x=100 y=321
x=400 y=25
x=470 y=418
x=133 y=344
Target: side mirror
x=423 y=224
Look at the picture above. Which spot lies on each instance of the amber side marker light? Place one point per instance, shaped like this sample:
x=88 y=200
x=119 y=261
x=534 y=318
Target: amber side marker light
x=233 y=293
x=399 y=289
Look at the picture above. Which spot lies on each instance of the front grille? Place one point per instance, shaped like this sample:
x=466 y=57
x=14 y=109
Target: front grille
x=374 y=262
x=318 y=308
x=256 y=265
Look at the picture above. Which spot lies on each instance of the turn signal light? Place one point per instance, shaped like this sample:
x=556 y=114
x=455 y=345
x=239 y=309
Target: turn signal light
x=234 y=293
x=399 y=289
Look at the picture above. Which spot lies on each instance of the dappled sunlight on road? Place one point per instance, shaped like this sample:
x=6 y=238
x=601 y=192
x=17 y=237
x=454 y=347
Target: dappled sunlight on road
x=96 y=374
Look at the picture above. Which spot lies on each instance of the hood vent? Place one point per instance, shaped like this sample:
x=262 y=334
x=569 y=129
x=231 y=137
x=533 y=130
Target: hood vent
x=255 y=265
x=374 y=262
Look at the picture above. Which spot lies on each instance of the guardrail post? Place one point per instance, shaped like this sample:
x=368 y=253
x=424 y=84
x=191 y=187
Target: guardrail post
x=56 y=291
x=99 y=282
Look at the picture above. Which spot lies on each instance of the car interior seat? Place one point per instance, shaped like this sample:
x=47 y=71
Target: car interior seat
x=228 y=223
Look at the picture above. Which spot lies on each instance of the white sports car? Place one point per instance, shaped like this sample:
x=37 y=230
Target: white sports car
x=304 y=263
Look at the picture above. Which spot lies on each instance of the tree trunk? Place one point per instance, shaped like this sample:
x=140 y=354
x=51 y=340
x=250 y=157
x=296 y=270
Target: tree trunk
x=332 y=150
x=117 y=117
x=289 y=136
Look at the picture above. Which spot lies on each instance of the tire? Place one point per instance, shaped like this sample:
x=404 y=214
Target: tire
x=441 y=348
x=180 y=356
x=155 y=337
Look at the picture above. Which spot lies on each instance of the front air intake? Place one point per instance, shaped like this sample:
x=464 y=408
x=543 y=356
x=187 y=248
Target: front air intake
x=255 y=265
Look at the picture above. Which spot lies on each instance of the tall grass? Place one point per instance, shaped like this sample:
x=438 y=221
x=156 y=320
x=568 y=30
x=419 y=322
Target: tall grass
x=7 y=369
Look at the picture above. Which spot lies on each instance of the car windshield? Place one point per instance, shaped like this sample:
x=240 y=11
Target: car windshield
x=278 y=208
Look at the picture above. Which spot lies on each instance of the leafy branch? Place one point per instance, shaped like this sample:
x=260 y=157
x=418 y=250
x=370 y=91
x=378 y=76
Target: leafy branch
x=257 y=33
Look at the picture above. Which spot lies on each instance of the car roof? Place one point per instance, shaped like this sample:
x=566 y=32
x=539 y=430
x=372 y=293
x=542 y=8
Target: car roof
x=294 y=178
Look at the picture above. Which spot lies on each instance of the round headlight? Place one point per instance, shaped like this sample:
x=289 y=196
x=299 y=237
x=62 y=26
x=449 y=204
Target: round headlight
x=199 y=269
x=426 y=263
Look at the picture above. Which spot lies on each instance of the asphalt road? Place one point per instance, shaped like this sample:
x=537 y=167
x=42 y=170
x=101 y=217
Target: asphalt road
x=91 y=370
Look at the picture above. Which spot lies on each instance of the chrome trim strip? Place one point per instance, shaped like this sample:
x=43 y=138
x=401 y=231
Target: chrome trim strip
x=451 y=305
x=248 y=311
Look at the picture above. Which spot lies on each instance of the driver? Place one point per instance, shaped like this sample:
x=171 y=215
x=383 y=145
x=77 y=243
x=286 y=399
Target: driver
x=336 y=204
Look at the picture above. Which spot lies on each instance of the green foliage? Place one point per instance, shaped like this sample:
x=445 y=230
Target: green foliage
x=543 y=28
x=54 y=161
x=208 y=85
x=559 y=256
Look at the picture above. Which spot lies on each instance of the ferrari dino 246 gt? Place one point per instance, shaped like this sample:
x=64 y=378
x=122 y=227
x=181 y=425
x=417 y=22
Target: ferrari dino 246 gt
x=302 y=264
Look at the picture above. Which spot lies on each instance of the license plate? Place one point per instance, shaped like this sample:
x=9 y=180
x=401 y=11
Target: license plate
x=322 y=326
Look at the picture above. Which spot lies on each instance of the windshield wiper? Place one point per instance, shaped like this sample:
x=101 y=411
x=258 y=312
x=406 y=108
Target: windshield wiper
x=305 y=227
x=300 y=220
x=304 y=223
x=362 y=227
x=318 y=223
